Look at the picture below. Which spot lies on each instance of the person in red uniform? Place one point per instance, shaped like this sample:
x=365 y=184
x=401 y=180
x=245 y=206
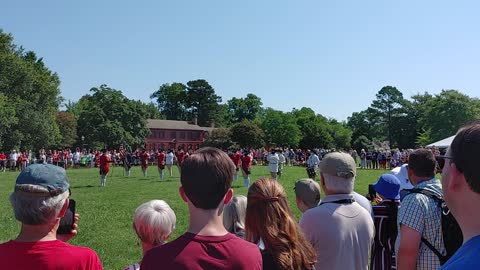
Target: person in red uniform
x=161 y=163
x=144 y=161
x=246 y=167
x=65 y=159
x=55 y=157
x=3 y=161
x=237 y=160
x=104 y=167
x=97 y=159
x=180 y=158
x=23 y=161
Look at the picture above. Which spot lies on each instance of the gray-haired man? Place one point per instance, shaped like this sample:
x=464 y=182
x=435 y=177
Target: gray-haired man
x=340 y=230
x=39 y=201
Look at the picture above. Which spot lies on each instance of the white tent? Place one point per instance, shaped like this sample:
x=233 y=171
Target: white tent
x=442 y=143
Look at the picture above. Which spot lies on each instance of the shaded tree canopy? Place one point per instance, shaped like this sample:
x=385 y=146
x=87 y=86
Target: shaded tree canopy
x=247 y=134
x=31 y=95
x=244 y=108
x=172 y=101
x=108 y=118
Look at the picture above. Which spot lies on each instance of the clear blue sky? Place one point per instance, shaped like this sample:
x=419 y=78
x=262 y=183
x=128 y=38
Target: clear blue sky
x=332 y=56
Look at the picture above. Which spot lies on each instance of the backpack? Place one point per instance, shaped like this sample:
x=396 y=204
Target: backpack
x=451 y=232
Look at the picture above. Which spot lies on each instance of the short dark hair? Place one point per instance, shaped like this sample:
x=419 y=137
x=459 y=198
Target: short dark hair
x=206 y=177
x=464 y=151
x=422 y=162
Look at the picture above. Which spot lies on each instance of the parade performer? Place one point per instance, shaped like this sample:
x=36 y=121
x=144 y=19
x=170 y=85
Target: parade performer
x=104 y=167
x=246 y=167
x=237 y=160
x=273 y=160
x=281 y=163
x=169 y=161
x=180 y=158
x=125 y=160
x=144 y=156
x=3 y=161
x=161 y=163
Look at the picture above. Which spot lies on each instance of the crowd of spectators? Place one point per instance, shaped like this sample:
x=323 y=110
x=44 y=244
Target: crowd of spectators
x=338 y=231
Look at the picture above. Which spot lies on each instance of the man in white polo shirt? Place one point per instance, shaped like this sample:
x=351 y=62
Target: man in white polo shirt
x=340 y=230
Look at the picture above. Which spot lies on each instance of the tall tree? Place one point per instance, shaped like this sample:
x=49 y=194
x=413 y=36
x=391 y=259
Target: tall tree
x=33 y=91
x=341 y=134
x=110 y=119
x=247 y=134
x=444 y=113
x=220 y=138
x=202 y=101
x=172 y=101
x=313 y=128
x=67 y=125
x=387 y=108
x=280 y=128
x=7 y=118
x=244 y=108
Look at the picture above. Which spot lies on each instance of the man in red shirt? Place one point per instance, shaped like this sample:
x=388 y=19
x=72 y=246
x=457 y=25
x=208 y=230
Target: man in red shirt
x=206 y=188
x=161 y=163
x=104 y=167
x=246 y=167
x=144 y=156
x=38 y=246
x=3 y=161
x=237 y=161
x=180 y=155
x=55 y=157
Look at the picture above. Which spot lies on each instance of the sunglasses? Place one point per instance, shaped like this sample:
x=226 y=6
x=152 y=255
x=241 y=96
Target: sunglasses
x=441 y=160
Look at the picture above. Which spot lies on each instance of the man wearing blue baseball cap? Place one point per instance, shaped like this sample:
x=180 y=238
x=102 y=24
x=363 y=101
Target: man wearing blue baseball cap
x=385 y=212
x=40 y=199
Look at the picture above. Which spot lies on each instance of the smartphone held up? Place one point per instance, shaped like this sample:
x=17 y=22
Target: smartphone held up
x=67 y=221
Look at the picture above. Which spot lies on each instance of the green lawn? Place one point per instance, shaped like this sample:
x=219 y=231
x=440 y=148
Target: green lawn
x=106 y=213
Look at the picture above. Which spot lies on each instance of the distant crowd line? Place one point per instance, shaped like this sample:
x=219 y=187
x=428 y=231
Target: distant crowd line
x=414 y=220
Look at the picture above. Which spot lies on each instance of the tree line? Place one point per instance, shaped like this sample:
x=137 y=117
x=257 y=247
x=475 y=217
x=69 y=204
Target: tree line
x=34 y=115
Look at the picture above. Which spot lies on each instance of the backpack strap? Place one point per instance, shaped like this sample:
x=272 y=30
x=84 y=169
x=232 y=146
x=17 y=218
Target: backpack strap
x=440 y=202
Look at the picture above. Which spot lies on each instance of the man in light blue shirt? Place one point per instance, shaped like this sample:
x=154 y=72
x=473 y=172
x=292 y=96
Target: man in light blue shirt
x=461 y=189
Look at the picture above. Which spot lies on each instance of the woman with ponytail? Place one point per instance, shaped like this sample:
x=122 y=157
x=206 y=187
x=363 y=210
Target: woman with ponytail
x=270 y=224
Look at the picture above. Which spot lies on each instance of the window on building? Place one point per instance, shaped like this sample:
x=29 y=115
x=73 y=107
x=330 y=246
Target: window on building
x=190 y=135
x=173 y=134
x=182 y=135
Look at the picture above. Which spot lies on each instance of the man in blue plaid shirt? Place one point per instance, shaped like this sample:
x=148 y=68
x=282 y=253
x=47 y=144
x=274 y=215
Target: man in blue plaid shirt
x=419 y=216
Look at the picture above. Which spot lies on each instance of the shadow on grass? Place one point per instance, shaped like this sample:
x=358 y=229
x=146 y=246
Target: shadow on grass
x=87 y=186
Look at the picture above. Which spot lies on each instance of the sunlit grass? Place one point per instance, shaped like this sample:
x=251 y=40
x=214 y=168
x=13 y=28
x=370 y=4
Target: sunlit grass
x=106 y=213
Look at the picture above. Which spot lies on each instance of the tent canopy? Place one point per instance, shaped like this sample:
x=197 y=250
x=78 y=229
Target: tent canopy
x=442 y=143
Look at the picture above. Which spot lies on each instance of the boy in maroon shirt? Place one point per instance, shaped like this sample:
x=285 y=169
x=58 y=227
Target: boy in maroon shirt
x=206 y=188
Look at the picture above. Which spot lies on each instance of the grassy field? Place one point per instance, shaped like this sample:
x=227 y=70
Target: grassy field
x=106 y=213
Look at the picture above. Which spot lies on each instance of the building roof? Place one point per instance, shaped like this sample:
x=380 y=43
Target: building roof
x=173 y=124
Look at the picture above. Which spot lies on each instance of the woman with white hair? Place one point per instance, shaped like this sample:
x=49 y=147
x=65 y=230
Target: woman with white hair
x=153 y=222
x=234 y=215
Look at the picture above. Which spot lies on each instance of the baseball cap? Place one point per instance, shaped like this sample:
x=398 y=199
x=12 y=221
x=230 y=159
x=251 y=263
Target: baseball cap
x=338 y=164
x=308 y=190
x=51 y=177
x=401 y=173
x=388 y=186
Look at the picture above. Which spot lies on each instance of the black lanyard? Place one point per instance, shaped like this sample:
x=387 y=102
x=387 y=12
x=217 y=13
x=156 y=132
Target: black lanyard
x=344 y=201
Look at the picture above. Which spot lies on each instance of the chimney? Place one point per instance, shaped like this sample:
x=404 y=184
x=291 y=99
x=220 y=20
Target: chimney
x=212 y=123
x=195 y=119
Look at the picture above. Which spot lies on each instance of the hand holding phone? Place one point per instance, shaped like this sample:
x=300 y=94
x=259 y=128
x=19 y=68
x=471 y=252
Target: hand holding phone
x=68 y=220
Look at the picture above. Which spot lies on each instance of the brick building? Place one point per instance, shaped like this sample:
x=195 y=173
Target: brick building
x=170 y=134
